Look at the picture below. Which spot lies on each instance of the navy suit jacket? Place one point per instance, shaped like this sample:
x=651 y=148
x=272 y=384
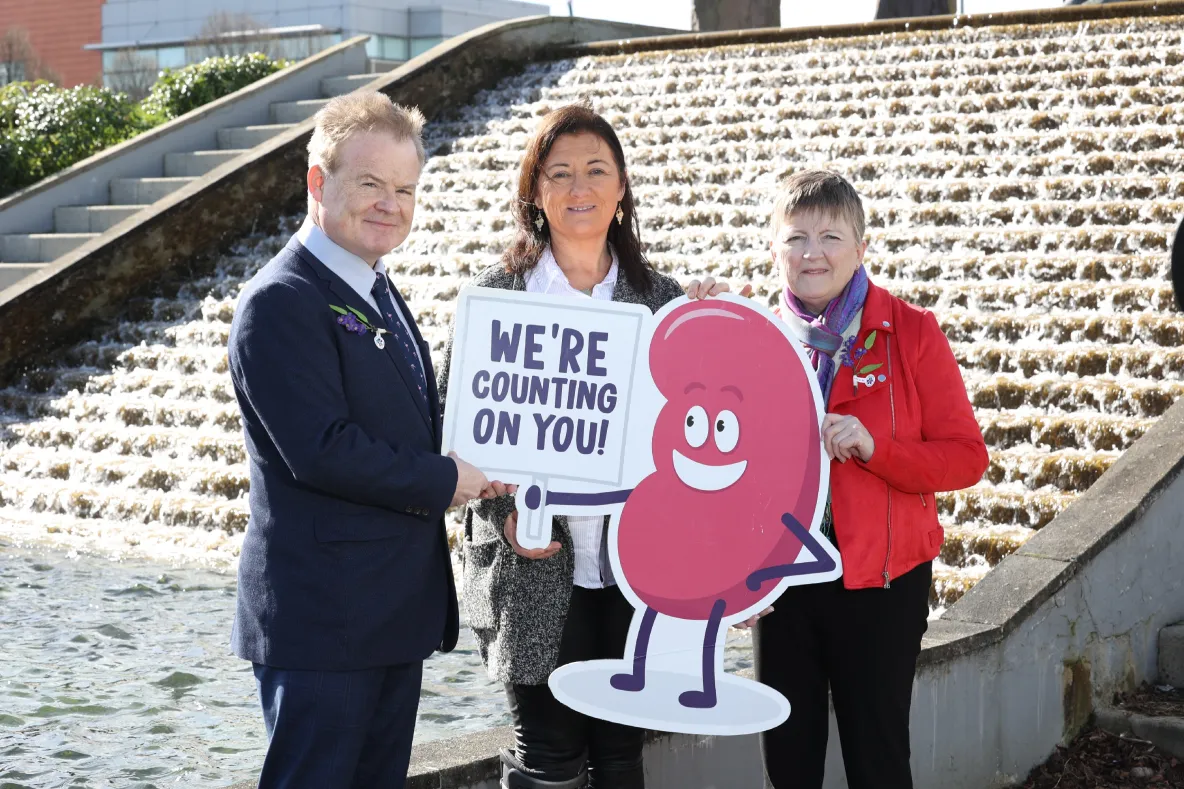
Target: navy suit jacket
x=345 y=562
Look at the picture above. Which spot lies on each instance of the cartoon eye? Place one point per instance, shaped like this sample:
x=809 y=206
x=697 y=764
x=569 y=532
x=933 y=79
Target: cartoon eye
x=727 y=431
x=697 y=425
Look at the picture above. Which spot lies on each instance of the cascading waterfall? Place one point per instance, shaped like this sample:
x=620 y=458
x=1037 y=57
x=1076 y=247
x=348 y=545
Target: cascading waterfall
x=1022 y=182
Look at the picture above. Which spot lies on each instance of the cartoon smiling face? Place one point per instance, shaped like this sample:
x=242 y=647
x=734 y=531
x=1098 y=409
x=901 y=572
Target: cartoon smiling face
x=727 y=408
x=711 y=438
x=735 y=446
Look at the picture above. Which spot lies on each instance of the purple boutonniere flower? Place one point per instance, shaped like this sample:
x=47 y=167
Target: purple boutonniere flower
x=356 y=323
x=351 y=324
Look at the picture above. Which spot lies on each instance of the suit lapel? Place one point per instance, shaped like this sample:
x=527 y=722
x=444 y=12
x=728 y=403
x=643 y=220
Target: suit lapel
x=350 y=298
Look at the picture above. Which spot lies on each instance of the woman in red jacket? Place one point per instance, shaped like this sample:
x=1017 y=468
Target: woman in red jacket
x=898 y=428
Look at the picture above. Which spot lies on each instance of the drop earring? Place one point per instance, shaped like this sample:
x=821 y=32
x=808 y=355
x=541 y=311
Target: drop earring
x=539 y=221
x=620 y=214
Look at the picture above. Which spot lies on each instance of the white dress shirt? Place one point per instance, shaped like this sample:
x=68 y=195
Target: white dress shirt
x=587 y=531
x=356 y=273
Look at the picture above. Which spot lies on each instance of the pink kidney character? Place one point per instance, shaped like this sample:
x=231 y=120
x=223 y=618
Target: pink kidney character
x=738 y=461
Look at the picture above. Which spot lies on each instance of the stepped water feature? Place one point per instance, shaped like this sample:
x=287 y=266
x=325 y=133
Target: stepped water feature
x=1023 y=182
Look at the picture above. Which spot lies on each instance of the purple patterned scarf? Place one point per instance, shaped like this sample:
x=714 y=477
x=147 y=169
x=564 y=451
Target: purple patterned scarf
x=824 y=333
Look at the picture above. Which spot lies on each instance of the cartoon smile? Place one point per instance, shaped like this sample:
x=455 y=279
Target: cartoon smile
x=701 y=476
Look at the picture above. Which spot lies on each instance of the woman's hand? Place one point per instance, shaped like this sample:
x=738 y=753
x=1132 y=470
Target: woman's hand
x=511 y=532
x=496 y=488
x=711 y=287
x=751 y=621
x=845 y=437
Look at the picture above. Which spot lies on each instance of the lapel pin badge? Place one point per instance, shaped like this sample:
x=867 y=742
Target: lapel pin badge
x=866 y=380
x=379 y=342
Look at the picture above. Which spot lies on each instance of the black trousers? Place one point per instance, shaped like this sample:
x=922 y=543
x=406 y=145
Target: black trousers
x=862 y=644
x=553 y=741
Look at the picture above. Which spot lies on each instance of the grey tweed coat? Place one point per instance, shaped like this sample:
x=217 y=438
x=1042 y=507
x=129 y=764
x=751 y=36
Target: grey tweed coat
x=517 y=607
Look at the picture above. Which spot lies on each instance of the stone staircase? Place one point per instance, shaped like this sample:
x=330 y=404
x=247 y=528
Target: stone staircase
x=21 y=254
x=1160 y=720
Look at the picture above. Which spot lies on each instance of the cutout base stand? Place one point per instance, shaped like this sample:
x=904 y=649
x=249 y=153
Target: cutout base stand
x=743 y=706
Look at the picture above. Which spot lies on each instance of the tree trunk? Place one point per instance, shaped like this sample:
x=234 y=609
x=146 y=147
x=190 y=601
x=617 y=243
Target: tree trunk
x=897 y=9
x=708 y=15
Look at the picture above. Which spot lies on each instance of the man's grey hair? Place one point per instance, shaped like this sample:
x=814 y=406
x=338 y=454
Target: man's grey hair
x=360 y=112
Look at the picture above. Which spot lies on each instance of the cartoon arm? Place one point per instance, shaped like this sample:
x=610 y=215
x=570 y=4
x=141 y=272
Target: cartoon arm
x=823 y=562
x=589 y=499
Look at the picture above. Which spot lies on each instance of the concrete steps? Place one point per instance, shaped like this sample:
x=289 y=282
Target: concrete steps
x=91 y=218
x=249 y=136
x=198 y=163
x=140 y=191
x=39 y=247
x=295 y=111
x=1165 y=731
x=12 y=273
x=22 y=254
x=339 y=86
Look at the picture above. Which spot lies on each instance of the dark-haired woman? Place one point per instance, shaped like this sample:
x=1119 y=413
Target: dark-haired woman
x=535 y=610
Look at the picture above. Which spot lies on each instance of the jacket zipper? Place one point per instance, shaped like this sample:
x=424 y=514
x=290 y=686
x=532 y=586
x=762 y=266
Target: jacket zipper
x=892 y=407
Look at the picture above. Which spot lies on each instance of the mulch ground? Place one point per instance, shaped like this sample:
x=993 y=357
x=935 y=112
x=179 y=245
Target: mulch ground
x=1153 y=700
x=1100 y=760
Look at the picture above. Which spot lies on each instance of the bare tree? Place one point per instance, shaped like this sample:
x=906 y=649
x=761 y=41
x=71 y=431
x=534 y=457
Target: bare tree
x=227 y=33
x=897 y=9
x=132 y=73
x=20 y=60
x=710 y=15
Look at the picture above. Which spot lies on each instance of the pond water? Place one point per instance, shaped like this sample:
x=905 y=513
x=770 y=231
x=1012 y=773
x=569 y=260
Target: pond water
x=119 y=674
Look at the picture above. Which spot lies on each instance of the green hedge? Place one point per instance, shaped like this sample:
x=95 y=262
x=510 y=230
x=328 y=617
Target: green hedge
x=177 y=92
x=45 y=129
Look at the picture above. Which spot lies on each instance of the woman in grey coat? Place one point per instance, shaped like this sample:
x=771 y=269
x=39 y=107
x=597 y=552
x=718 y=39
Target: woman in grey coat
x=535 y=610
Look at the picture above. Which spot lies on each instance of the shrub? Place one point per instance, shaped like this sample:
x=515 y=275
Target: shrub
x=178 y=91
x=44 y=129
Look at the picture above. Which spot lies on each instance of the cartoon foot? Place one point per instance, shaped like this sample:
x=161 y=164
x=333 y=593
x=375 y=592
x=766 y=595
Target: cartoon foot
x=706 y=698
x=697 y=699
x=636 y=681
x=629 y=682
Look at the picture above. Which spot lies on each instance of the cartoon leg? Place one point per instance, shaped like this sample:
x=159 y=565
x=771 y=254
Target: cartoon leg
x=636 y=680
x=823 y=562
x=703 y=699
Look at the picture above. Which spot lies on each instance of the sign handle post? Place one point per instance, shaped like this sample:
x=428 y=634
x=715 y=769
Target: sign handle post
x=534 y=530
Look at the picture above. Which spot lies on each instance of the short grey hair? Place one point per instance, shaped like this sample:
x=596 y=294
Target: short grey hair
x=819 y=190
x=360 y=112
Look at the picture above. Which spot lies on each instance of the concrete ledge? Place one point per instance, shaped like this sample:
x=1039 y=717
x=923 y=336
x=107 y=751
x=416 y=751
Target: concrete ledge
x=672 y=760
x=1033 y=574
x=774 y=35
x=31 y=209
x=62 y=301
x=1165 y=732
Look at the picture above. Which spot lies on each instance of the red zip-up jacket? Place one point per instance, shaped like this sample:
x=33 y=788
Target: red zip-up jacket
x=927 y=440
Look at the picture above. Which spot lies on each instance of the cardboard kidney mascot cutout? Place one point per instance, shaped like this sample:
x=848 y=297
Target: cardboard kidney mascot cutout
x=715 y=472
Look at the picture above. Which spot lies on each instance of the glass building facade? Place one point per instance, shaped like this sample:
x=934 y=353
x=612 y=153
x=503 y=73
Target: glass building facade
x=143 y=37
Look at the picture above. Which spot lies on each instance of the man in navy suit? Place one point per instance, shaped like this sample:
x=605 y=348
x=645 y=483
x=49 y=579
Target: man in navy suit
x=345 y=583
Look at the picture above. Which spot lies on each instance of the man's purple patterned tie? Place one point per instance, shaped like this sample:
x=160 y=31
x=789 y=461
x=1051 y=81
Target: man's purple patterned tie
x=387 y=307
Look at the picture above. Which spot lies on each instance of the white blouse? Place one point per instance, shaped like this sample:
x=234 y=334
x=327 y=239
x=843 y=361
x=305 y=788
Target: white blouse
x=587 y=531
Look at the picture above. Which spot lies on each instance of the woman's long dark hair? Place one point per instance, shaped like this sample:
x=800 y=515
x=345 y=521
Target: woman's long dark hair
x=529 y=241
